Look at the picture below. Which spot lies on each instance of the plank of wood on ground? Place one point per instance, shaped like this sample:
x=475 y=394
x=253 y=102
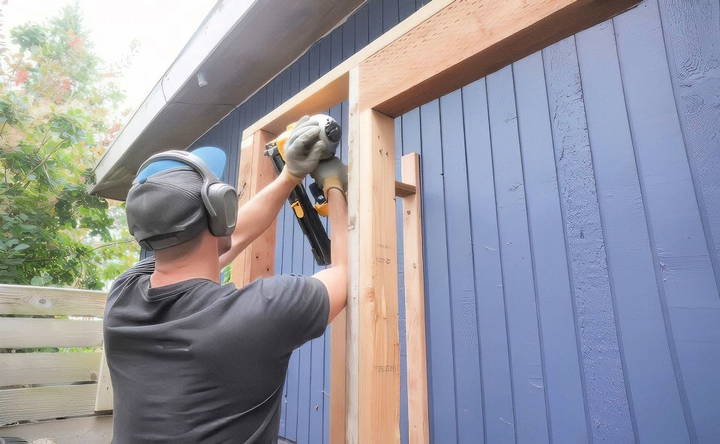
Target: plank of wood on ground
x=86 y=430
x=30 y=300
x=36 y=332
x=47 y=402
x=48 y=368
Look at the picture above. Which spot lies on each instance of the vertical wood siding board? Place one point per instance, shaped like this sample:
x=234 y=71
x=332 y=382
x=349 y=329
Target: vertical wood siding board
x=563 y=216
x=361 y=27
x=313 y=63
x=649 y=370
x=495 y=211
x=460 y=268
x=375 y=24
x=303 y=419
x=274 y=93
x=691 y=33
x=326 y=386
x=265 y=104
x=389 y=14
x=565 y=402
x=344 y=121
x=317 y=389
x=286 y=85
x=439 y=324
x=604 y=383
x=348 y=37
x=234 y=148
x=286 y=267
x=409 y=141
x=295 y=78
x=303 y=72
x=306 y=356
x=532 y=257
x=336 y=55
x=317 y=378
x=270 y=96
x=496 y=397
x=325 y=54
x=681 y=257
x=405 y=9
x=526 y=365
x=292 y=398
x=676 y=182
x=401 y=289
x=295 y=411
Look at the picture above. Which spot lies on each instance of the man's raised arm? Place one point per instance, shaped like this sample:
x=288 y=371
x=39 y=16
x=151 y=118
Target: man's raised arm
x=303 y=152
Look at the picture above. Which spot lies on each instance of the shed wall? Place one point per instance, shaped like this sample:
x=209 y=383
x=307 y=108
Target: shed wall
x=572 y=235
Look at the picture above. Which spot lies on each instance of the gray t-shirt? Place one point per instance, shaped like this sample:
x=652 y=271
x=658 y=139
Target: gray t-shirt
x=197 y=362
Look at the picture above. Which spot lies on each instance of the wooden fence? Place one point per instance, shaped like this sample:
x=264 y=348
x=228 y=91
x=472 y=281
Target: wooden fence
x=53 y=380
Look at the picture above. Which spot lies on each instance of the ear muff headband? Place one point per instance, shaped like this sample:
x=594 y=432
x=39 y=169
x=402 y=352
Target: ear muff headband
x=222 y=211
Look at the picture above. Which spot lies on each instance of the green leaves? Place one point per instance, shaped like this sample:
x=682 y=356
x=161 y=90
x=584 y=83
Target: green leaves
x=56 y=115
x=28 y=36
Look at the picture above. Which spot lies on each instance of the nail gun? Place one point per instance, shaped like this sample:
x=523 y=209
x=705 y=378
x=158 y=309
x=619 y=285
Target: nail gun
x=306 y=213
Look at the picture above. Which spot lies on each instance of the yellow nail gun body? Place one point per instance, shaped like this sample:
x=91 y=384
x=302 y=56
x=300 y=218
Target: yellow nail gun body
x=306 y=213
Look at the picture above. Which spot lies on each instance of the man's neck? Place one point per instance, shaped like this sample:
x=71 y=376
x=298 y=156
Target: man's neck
x=199 y=263
x=170 y=273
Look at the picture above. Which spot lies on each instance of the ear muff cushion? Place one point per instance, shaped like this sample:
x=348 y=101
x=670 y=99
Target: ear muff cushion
x=223 y=198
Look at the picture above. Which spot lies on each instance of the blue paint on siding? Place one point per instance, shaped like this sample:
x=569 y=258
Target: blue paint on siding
x=572 y=235
x=601 y=356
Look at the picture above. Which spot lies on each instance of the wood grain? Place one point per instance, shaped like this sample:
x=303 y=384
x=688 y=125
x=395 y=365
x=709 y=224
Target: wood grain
x=30 y=300
x=484 y=35
x=374 y=349
x=46 y=402
x=256 y=171
x=417 y=393
x=48 y=368
x=32 y=332
x=338 y=397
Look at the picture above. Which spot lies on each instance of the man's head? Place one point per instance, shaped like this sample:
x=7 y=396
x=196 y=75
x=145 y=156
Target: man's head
x=178 y=199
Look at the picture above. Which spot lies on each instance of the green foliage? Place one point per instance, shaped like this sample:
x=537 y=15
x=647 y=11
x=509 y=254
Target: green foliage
x=57 y=116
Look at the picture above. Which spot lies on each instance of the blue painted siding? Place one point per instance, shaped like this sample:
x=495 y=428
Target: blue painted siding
x=572 y=235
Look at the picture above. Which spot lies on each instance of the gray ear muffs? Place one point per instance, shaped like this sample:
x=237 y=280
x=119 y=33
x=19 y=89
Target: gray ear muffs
x=219 y=198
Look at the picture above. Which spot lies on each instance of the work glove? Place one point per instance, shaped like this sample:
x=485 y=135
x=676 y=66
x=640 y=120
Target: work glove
x=304 y=148
x=331 y=173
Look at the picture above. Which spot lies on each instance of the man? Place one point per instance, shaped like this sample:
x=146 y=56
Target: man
x=193 y=361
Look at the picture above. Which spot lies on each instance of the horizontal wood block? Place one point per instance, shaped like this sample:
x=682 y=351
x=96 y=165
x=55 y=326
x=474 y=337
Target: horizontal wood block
x=34 y=332
x=30 y=300
x=467 y=40
x=48 y=368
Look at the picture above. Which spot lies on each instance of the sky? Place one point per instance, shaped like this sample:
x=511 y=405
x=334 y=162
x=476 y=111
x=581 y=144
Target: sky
x=161 y=29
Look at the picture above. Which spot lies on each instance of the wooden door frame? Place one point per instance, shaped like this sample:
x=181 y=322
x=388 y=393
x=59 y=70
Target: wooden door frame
x=443 y=46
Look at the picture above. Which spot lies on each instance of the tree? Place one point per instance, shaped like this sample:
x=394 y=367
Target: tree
x=58 y=113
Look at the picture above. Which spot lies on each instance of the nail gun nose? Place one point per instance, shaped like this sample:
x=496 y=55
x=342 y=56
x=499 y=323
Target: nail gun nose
x=333 y=131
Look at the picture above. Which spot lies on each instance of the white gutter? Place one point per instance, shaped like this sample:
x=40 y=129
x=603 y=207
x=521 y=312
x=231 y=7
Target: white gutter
x=240 y=46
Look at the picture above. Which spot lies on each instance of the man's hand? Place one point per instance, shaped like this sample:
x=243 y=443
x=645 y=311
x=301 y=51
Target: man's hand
x=331 y=173
x=304 y=148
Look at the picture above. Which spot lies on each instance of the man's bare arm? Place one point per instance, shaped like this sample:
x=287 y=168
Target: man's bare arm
x=258 y=214
x=335 y=277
